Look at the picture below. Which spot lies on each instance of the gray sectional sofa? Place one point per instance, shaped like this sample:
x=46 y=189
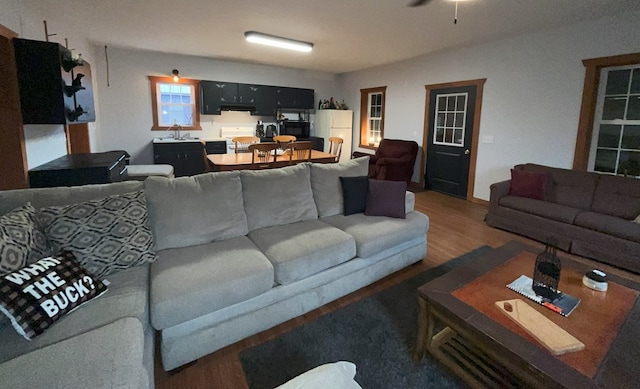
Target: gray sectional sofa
x=237 y=253
x=589 y=214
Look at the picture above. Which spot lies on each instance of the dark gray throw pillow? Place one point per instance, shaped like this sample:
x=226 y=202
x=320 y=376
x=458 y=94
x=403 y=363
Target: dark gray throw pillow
x=106 y=235
x=354 y=194
x=40 y=294
x=21 y=240
x=386 y=198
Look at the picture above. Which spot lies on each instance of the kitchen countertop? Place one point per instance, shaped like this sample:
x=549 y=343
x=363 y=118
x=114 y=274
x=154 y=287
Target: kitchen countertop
x=187 y=140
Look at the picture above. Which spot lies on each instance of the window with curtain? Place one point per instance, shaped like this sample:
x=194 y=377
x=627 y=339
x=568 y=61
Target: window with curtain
x=372 y=102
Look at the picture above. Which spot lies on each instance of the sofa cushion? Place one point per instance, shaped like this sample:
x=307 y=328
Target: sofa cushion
x=354 y=194
x=301 y=249
x=188 y=211
x=553 y=211
x=621 y=228
x=21 y=240
x=374 y=234
x=127 y=297
x=62 y=195
x=386 y=198
x=617 y=196
x=275 y=197
x=567 y=187
x=107 y=357
x=106 y=235
x=192 y=281
x=325 y=183
x=528 y=184
x=38 y=295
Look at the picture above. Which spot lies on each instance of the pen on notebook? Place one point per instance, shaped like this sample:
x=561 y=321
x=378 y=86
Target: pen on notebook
x=552 y=307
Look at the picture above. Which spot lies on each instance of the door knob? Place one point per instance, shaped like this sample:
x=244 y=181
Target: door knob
x=466 y=152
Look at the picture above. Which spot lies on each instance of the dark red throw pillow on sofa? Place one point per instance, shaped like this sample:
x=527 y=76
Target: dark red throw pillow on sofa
x=526 y=184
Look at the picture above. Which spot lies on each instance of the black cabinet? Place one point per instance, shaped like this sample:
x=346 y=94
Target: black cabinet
x=187 y=158
x=261 y=97
x=55 y=87
x=80 y=169
x=295 y=98
x=261 y=100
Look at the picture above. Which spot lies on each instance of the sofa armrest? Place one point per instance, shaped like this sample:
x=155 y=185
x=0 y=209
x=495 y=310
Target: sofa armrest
x=497 y=191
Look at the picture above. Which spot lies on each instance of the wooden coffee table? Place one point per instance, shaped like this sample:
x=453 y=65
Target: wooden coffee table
x=460 y=326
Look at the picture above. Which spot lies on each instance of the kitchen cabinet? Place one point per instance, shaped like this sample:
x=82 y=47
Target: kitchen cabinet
x=186 y=157
x=261 y=100
x=80 y=169
x=295 y=98
x=217 y=96
x=55 y=87
x=260 y=97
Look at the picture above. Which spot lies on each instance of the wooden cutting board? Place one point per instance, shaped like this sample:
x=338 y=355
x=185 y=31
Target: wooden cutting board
x=552 y=337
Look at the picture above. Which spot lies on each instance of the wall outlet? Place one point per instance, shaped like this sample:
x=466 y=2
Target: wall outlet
x=487 y=138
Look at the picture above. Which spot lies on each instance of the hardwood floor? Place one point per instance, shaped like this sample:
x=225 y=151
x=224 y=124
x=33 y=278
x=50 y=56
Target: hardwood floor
x=456 y=227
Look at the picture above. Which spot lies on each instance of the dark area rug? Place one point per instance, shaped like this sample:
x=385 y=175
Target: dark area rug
x=377 y=333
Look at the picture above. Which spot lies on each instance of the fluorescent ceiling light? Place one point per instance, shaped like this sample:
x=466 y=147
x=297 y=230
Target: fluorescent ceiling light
x=276 y=41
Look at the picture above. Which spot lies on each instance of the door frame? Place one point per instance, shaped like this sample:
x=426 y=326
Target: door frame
x=479 y=84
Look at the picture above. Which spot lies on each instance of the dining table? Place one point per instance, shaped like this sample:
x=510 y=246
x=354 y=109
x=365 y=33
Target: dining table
x=242 y=161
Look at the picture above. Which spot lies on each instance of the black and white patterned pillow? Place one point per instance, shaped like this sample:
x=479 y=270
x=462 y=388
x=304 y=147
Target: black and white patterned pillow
x=106 y=235
x=40 y=294
x=21 y=240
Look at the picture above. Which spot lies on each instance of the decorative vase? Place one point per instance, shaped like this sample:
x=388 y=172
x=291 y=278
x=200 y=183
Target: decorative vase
x=546 y=274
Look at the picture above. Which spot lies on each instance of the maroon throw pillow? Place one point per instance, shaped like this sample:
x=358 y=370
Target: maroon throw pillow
x=527 y=184
x=386 y=198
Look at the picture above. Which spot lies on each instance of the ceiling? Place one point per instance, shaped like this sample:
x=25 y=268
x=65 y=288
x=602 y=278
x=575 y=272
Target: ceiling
x=348 y=35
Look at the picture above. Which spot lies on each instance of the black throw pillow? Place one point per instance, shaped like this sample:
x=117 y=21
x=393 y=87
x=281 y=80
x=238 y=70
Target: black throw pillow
x=354 y=192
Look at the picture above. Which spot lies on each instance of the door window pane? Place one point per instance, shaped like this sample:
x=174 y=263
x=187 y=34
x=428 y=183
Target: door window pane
x=635 y=81
x=449 y=118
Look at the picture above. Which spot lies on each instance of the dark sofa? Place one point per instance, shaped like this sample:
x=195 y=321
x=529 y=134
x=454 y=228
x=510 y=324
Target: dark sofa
x=589 y=214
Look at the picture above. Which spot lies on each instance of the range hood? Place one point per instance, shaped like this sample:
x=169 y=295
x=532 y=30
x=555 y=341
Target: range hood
x=238 y=107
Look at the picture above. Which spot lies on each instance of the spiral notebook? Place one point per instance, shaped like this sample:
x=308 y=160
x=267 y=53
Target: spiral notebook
x=563 y=304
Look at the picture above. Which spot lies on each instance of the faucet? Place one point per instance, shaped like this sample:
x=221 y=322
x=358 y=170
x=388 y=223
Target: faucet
x=177 y=128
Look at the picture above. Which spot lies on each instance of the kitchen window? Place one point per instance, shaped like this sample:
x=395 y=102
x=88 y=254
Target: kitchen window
x=175 y=103
x=615 y=144
x=372 y=103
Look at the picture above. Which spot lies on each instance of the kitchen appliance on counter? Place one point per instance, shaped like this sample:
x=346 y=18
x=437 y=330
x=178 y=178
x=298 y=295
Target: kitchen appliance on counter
x=299 y=129
x=272 y=131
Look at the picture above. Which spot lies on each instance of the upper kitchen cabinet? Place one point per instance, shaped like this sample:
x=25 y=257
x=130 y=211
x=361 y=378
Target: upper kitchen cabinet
x=55 y=87
x=261 y=97
x=217 y=96
x=295 y=98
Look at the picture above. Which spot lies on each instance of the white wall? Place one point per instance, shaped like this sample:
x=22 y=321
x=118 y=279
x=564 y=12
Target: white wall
x=531 y=97
x=43 y=142
x=125 y=106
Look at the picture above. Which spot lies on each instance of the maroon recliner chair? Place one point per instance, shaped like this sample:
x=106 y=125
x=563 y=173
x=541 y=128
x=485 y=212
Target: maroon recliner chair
x=393 y=160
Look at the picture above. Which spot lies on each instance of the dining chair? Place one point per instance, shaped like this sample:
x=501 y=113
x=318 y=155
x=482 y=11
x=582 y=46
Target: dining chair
x=335 y=146
x=299 y=151
x=263 y=155
x=242 y=142
x=284 y=140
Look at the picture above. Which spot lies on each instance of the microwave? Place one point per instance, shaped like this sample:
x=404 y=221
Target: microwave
x=298 y=129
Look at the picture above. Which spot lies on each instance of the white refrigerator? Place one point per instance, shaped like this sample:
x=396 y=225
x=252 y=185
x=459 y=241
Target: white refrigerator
x=335 y=122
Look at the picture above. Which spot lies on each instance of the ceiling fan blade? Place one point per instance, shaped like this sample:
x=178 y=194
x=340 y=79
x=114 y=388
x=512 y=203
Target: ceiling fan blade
x=417 y=3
